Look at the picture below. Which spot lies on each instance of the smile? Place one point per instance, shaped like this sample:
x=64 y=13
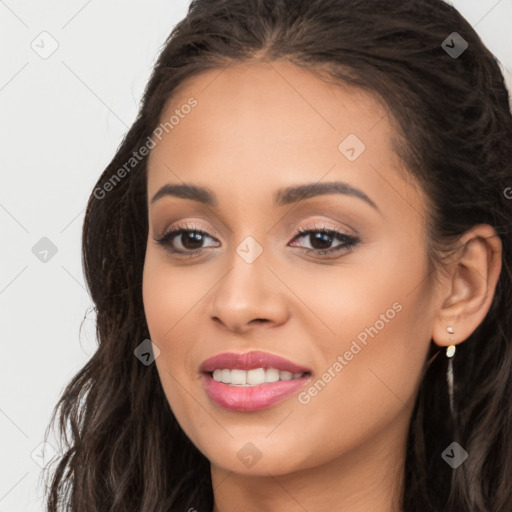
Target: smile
x=251 y=381
x=254 y=377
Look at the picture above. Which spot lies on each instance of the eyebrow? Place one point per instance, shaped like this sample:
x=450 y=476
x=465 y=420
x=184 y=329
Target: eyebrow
x=281 y=197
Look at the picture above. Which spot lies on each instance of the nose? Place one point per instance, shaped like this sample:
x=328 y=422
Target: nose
x=249 y=294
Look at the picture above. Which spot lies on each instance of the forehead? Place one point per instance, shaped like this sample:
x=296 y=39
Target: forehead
x=243 y=95
x=271 y=123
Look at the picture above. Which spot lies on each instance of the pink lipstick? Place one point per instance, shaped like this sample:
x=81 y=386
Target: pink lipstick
x=251 y=381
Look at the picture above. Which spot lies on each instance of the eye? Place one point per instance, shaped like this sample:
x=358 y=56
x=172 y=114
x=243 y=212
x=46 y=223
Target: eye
x=322 y=237
x=190 y=238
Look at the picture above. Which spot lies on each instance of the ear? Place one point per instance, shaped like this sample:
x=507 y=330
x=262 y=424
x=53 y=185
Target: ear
x=466 y=294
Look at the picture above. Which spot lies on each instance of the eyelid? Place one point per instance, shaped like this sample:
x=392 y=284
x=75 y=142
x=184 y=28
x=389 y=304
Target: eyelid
x=325 y=225
x=316 y=226
x=189 y=226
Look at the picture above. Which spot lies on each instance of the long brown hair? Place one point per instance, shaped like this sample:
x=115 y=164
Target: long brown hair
x=124 y=450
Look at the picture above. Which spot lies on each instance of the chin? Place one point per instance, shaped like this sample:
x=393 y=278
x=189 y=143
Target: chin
x=257 y=457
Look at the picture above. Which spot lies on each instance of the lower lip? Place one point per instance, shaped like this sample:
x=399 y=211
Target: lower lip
x=251 y=398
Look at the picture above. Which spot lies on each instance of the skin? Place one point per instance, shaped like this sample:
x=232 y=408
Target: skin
x=259 y=127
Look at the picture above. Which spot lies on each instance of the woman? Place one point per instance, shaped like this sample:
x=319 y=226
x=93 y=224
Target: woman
x=300 y=258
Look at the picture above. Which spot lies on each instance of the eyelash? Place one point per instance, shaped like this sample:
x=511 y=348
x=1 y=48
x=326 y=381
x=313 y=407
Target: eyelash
x=349 y=241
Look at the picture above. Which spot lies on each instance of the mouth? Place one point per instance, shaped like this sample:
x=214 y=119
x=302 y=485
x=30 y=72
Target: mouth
x=252 y=381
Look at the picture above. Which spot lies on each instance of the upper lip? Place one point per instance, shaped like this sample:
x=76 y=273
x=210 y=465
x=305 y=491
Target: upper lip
x=250 y=361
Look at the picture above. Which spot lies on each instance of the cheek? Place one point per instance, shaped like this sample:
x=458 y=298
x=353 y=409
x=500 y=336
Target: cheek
x=363 y=389
x=166 y=303
x=170 y=294
x=365 y=290
x=173 y=298
x=372 y=357
x=374 y=383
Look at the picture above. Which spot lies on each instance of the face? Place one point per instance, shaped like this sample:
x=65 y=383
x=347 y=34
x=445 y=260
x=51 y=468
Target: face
x=333 y=280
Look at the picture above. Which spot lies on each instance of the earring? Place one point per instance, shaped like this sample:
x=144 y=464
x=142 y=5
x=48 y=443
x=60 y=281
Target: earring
x=450 y=352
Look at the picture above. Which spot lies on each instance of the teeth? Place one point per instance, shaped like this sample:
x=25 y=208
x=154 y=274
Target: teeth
x=253 y=377
x=238 y=377
x=225 y=376
x=271 y=375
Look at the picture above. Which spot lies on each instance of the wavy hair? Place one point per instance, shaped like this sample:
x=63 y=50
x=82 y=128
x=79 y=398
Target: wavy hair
x=124 y=450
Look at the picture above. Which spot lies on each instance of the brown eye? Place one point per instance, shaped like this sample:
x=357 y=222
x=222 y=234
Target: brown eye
x=190 y=239
x=320 y=240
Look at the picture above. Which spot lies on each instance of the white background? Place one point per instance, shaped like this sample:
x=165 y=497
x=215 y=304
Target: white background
x=62 y=119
